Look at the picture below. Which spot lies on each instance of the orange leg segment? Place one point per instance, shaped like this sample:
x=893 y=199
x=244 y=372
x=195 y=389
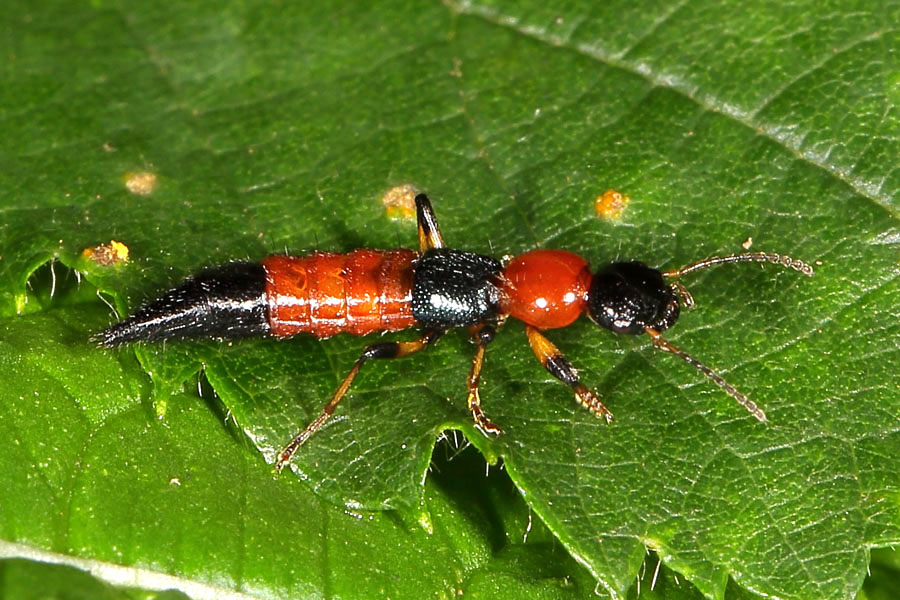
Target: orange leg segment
x=557 y=365
x=482 y=335
x=429 y=232
x=380 y=350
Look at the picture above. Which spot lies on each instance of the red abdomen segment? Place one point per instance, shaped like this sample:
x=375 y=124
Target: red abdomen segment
x=327 y=293
x=546 y=288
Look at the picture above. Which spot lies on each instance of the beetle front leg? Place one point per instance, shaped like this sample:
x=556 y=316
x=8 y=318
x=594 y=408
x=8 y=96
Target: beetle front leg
x=558 y=366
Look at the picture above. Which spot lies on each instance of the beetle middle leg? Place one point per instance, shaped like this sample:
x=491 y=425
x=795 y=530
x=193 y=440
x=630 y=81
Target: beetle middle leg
x=382 y=350
x=482 y=335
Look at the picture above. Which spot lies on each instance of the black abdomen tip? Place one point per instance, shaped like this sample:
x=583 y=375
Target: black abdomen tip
x=228 y=301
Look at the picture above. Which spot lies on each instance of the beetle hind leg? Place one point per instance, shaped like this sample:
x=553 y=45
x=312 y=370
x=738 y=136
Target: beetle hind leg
x=429 y=232
x=382 y=350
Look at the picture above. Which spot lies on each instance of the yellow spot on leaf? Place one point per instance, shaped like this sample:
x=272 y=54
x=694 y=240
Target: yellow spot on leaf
x=142 y=183
x=400 y=202
x=106 y=255
x=610 y=204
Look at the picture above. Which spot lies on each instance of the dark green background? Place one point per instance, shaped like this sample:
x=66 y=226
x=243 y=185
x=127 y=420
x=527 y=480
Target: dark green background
x=277 y=127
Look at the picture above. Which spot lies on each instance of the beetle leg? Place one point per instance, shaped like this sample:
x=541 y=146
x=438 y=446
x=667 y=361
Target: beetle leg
x=429 y=232
x=558 y=366
x=482 y=335
x=378 y=351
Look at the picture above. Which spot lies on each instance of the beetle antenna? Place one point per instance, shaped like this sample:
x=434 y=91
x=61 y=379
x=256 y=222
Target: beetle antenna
x=769 y=257
x=666 y=346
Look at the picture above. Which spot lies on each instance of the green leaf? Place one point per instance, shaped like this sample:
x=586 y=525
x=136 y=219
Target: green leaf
x=272 y=128
x=27 y=580
x=883 y=581
x=186 y=503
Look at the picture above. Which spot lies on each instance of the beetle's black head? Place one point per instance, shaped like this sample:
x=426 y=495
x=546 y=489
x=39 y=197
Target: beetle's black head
x=628 y=297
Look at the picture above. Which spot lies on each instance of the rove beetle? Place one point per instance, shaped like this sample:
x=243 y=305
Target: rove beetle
x=435 y=289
